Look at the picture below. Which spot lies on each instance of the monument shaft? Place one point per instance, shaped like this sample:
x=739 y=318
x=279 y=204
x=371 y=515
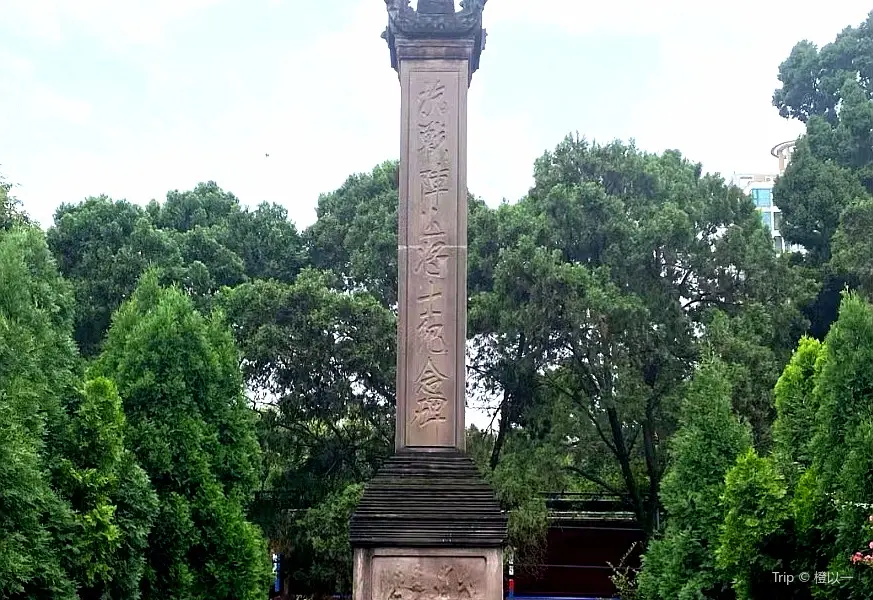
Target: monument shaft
x=427 y=526
x=432 y=253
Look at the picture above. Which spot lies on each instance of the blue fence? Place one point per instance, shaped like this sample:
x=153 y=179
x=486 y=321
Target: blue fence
x=517 y=597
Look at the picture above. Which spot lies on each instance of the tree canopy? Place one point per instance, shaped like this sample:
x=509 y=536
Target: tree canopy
x=37 y=361
x=827 y=189
x=620 y=260
x=75 y=507
x=193 y=434
x=201 y=239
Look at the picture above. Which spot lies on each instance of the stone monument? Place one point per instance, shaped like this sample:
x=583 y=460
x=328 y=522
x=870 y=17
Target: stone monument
x=428 y=527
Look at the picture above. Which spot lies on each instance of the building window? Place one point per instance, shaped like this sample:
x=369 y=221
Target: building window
x=766 y=217
x=777 y=243
x=777 y=221
x=763 y=197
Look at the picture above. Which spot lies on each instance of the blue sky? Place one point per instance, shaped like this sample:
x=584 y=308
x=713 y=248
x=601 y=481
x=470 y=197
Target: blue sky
x=132 y=98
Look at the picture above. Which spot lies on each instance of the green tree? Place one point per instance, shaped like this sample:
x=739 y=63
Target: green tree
x=509 y=334
x=321 y=363
x=111 y=495
x=266 y=241
x=799 y=545
x=232 y=243
x=796 y=407
x=355 y=235
x=623 y=259
x=201 y=239
x=209 y=264
x=103 y=247
x=94 y=502
x=746 y=343
x=827 y=187
x=681 y=564
x=797 y=404
x=528 y=470
x=11 y=213
x=842 y=463
x=756 y=534
x=207 y=205
x=812 y=195
x=191 y=430
x=33 y=519
x=802 y=509
x=37 y=361
x=323 y=535
x=852 y=246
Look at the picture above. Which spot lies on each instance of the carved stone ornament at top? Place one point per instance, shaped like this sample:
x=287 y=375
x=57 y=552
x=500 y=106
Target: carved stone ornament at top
x=434 y=20
x=436 y=7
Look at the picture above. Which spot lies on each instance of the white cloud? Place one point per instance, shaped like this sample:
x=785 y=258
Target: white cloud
x=330 y=111
x=120 y=23
x=618 y=17
x=683 y=18
x=14 y=66
x=328 y=105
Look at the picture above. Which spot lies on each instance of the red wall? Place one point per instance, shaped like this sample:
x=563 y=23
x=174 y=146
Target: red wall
x=576 y=558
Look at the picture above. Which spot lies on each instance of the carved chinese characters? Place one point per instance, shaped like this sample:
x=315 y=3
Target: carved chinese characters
x=426 y=578
x=431 y=293
x=432 y=260
x=429 y=395
x=431 y=328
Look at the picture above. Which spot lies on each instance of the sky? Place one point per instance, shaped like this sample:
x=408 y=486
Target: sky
x=132 y=98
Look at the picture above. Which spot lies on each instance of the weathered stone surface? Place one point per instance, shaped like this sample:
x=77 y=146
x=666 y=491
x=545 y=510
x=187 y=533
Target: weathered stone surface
x=435 y=7
x=434 y=499
x=432 y=243
x=435 y=574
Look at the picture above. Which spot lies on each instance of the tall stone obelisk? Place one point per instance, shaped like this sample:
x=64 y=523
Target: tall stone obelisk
x=428 y=527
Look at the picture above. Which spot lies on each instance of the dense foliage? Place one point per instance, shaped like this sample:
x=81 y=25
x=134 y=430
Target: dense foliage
x=804 y=507
x=826 y=193
x=681 y=564
x=201 y=240
x=37 y=363
x=801 y=504
x=195 y=437
x=94 y=501
x=75 y=506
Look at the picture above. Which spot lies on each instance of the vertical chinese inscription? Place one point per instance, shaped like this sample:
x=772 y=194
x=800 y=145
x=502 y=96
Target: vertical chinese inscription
x=429 y=395
x=431 y=328
x=431 y=261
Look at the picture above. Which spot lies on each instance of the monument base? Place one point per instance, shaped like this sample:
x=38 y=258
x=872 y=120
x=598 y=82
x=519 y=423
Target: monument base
x=428 y=527
x=428 y=574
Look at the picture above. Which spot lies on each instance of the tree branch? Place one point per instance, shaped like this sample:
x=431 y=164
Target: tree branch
x=589 y=413
x=595 y=480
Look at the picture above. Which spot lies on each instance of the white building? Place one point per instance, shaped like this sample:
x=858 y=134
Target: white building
x=783 y=153
x=760 y=187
